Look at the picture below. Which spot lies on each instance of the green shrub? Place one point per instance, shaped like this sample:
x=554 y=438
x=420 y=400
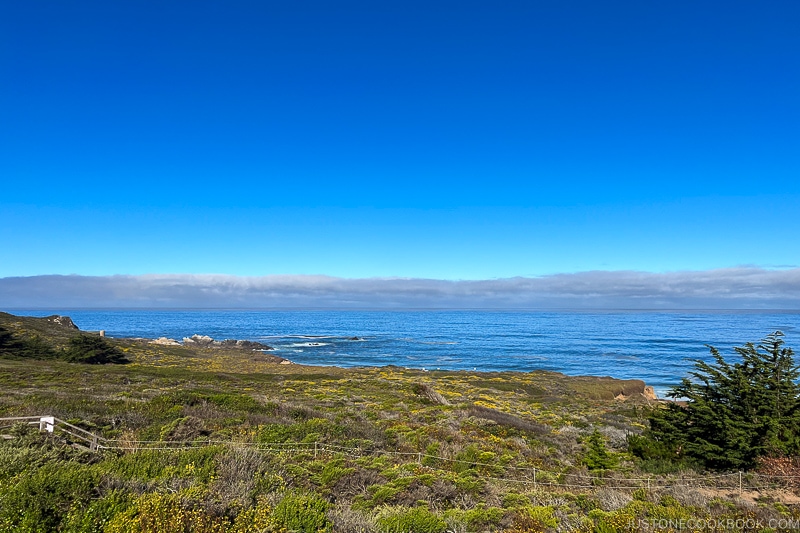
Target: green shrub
x=185 y=428
x=481 y=518
x=257 y=518
x=146 y=465
x=237 y=402
x=302 y=513
x=384 y=493
x=404 y=520
x=622 y=520
x=36 y=500
x=36 y=348
x=604 y=527
x=473 y=458
x=164 y=513
x=32 y=347
x=470 y=482
x=539 y=517
x=513 y=500
x=597 y=456
x=94 y=517
x=431 y=452
x=93 y=350
x=7 y=341
x=332 y=471
x=657 y=457
x=311 y=430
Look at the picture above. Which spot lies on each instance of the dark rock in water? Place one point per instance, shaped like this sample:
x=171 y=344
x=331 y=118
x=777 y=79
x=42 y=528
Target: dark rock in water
x=245 y=345
x=64 y=321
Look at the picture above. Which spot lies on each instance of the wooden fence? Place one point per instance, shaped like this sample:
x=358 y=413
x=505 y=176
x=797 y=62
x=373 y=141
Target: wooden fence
x=51 y=424
x=734 y=481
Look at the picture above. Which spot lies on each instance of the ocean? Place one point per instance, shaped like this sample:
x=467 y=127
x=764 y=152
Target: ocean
x=656 y=347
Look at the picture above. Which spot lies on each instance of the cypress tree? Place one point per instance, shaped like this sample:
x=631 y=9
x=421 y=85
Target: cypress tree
x=27 y=347
x=729 y=415
x=93 y=350
x=773 y=404
x=8 y=344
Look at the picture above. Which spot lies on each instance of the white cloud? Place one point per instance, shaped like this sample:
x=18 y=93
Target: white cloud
x=734 y=288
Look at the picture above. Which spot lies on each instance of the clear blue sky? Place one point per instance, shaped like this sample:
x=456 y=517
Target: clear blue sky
x=451 y=140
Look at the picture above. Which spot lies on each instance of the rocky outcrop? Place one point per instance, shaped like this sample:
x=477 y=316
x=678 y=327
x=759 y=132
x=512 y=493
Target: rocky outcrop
x=648 y=393
x=63 y=321
x=608 y=388
x=428 y=392
x=204 y=341
x=163 y=341
x=197 y=340
x=245 y=345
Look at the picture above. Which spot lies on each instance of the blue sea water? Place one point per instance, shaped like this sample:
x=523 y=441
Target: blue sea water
x=654 y=346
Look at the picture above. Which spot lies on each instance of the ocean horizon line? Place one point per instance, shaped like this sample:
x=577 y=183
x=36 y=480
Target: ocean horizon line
x=743 y=310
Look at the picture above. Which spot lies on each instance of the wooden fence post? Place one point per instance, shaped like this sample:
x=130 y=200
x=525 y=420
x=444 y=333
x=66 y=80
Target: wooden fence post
x=47 y=423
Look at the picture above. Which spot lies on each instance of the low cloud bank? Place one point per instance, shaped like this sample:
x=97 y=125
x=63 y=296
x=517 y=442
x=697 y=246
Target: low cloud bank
x=732 y=288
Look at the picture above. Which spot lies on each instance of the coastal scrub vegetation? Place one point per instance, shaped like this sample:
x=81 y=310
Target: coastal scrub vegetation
x=227 y=440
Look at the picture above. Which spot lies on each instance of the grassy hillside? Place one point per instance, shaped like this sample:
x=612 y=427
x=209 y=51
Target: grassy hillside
x=224 y=439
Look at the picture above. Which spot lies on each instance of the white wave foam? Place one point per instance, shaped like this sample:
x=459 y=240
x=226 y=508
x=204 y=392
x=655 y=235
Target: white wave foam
x=308 y=344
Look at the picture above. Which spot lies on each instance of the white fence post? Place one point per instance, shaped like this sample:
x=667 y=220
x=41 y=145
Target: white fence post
x=47 y=423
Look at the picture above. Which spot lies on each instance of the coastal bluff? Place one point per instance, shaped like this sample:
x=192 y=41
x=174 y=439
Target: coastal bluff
x=240 y=354
x=55 y=331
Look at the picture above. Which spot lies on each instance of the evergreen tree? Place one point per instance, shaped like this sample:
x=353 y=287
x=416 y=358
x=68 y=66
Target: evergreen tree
x=597 y=456
x=8 y=344
x=93 y=350
x=773 y=400
x=729 y=415
x=31 y=347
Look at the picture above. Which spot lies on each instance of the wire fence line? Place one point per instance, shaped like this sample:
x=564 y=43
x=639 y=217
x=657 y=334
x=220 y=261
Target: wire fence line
x=529 y=475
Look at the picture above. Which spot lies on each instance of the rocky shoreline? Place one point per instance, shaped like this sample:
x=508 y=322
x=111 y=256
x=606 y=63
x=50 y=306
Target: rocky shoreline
x=62 y=328
x=204 y=341
x=630 y=389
